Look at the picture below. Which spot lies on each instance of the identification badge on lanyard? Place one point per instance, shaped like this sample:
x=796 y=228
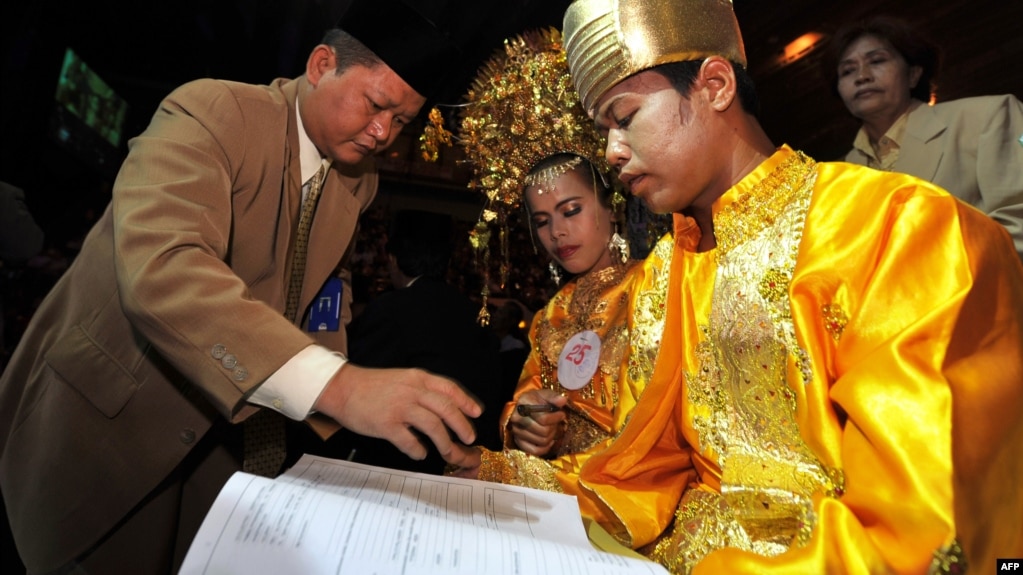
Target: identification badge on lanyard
x=325 y=311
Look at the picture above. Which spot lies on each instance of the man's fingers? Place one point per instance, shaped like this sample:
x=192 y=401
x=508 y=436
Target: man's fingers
x=396 y=404
x=462 y=400
x=465 y=457
x=426 y=422
x=405 y=440
x=451 y=414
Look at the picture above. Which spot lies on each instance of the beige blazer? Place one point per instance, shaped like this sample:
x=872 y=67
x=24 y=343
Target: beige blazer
x=169 y=316
x=972 y=148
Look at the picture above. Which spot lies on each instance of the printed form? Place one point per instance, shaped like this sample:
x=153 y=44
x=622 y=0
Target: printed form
x=338 y=517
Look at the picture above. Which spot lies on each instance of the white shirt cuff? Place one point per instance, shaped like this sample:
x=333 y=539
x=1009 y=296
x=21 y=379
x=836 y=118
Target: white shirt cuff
x=293 y=389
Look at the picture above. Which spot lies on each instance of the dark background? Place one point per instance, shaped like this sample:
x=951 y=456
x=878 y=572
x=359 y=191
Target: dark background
x=145 y=49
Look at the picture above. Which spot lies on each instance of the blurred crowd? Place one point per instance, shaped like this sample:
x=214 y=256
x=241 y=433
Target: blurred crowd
x=23 y=284
x=528 y=281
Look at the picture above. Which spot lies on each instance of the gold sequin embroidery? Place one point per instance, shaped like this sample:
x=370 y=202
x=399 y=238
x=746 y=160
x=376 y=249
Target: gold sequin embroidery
x=759 y=209
x=581 y=434
x=739 y=396
x=774 y=285
x=950 y=559
x=513 y=467
x=834 y=319
x=703 y=522
x=648 y=313
x=586 y=304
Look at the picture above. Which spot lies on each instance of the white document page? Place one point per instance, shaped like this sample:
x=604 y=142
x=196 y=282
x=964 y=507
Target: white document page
x=337 y=517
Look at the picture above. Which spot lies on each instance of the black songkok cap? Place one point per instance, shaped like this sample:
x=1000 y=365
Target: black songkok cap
x=423 y=41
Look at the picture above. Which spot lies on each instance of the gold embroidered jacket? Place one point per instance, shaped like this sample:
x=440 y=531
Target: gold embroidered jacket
x=841 y=378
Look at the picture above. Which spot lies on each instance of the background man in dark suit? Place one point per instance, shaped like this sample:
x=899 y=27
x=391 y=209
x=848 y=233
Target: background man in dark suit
x=425 y=323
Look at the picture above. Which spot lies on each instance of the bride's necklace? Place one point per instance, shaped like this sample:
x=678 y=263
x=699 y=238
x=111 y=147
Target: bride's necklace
x=576 y=342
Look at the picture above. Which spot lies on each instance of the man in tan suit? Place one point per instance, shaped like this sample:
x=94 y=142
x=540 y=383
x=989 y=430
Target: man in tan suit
x=117 y=408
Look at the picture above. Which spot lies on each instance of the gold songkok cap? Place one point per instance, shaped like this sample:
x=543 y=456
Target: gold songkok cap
x=609 y=40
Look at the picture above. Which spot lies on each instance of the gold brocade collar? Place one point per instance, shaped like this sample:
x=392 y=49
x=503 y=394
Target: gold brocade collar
x=752 y=205
x=590 y=286
x=588 y=303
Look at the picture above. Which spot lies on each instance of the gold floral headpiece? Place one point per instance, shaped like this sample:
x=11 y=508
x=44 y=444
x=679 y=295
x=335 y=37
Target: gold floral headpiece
x=521 y=108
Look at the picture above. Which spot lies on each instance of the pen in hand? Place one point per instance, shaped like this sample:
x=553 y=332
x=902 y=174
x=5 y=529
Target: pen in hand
x=527 y=410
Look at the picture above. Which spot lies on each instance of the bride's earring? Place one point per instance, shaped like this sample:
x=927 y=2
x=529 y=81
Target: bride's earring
x=619 y=244
x=555 y=273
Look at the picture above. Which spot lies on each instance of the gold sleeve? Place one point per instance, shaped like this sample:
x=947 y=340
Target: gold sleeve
x=913 y=319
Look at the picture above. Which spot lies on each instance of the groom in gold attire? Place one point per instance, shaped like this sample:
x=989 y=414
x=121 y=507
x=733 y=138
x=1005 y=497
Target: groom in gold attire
x=841 y=376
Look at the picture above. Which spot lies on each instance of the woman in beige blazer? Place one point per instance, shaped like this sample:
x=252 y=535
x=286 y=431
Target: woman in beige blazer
x=883 y=70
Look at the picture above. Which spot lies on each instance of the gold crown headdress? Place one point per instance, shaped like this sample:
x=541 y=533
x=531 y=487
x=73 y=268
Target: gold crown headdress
x=610 y=40
x=520 y=109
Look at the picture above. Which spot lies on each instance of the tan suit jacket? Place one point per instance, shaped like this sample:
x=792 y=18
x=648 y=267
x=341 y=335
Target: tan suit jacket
x=972 y=148
x=170 y=315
